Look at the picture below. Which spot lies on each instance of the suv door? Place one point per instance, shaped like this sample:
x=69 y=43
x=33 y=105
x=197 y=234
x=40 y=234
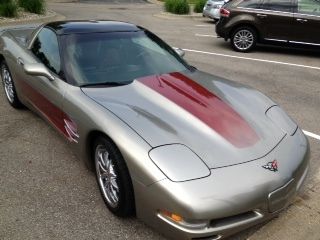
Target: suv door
x=307 y=22
x=275 y=18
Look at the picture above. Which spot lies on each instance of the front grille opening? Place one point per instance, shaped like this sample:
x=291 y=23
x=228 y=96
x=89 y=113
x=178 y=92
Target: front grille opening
x=224 y=222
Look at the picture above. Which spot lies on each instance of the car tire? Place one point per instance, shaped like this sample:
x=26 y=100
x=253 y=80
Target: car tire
x=9 y=87
x=113 y=178
x=243 y=39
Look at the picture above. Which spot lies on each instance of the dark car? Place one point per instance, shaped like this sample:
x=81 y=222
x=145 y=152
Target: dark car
x=246 y=22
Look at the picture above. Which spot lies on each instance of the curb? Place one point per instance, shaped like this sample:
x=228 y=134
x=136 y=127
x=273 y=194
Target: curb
x=166 y=15
x=155 y=2
x=54 y=17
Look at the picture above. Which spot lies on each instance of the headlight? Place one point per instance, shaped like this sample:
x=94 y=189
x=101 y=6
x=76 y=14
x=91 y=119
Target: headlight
x=179 y=163
x=282 y=120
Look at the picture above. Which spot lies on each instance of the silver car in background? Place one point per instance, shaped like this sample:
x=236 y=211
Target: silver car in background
x=212 y=9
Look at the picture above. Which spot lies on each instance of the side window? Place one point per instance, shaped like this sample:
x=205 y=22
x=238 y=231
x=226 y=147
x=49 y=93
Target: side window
x=46 y=49
x=277 y=5
x=250 y=4
x=311 y=7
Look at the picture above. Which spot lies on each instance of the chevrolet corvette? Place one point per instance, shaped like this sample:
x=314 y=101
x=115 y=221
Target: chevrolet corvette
x=193 y=155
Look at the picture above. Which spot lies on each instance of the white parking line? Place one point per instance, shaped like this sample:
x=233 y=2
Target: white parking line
x=310 y=134
x=205 y=35
x=253 y=59
x=202 y=25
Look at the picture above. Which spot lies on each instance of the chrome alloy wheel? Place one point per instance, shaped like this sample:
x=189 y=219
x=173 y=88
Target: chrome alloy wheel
x=243 y=39
x=8 y=84
x=107 y=176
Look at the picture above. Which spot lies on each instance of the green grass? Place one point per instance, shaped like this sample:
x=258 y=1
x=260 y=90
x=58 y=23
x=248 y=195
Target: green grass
x=177 y=6
x=8 y=8
x=33 y=6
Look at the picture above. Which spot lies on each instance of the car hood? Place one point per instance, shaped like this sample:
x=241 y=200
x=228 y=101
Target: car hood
x=223 y=122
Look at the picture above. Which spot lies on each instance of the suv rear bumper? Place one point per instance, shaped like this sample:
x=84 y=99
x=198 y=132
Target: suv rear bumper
x=221 y=30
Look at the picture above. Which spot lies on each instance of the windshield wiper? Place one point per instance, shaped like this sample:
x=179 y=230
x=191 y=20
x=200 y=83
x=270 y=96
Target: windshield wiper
x=108 y=84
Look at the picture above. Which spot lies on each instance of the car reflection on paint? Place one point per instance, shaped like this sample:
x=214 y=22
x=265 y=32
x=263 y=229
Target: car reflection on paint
x=192 y=155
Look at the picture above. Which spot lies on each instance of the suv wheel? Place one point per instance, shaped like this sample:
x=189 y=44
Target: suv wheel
x=244 y=39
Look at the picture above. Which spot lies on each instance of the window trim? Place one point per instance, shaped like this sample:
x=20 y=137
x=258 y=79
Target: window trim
x=265 y=10
x=59 y=48
x=293 y=2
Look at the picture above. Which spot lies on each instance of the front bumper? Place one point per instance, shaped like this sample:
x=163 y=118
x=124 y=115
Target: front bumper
x=230 y=199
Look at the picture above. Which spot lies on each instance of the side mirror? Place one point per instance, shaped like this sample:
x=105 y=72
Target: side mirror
x=180 y=52
x=37 y=69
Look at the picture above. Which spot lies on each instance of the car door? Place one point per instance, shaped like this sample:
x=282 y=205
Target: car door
x=275 y=18
x=307 y=22
x=44 y=95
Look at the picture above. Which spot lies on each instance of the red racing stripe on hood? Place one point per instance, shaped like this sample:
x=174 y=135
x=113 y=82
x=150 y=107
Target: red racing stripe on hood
x=204 y=105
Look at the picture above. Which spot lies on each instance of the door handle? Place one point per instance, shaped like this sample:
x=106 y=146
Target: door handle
x=261 y=15
x=20 y=61
x=301 y=20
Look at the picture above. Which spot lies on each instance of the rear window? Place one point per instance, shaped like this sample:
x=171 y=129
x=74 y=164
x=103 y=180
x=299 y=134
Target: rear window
x=250 y=4
x=277 y=5
x=311 y=7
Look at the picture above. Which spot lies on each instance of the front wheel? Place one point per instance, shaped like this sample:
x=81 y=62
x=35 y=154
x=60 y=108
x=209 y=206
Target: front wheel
x=244 y=39
x=9 y=87
x=113 y=178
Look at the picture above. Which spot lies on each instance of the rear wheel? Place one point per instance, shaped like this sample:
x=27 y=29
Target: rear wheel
x=113 y=178
x=244 y=39
x=9 y=87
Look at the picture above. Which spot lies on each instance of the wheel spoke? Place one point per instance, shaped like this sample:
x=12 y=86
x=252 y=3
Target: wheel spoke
x=243 y=39
x=8 y=84
x=107 y=176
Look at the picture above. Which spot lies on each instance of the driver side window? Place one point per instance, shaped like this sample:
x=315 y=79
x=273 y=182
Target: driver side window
x=46 y=49
x=311 y=7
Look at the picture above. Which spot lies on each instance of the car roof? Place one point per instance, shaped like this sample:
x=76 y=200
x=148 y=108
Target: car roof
x=91 y=26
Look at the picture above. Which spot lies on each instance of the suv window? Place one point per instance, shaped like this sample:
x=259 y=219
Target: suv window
x=311 y=7
x=46 y=49
x=250 y=3
x=277 y=5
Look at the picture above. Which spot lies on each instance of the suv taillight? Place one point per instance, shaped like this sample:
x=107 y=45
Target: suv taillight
x=224 y=12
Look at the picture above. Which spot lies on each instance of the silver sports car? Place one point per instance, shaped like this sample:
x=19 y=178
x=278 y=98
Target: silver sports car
x=193 y=155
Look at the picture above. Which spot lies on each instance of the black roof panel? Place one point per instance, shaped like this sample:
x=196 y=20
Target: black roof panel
x=70 y=27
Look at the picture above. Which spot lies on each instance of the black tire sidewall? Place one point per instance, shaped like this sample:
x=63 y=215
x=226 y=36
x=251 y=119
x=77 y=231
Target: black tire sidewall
x=254 y=34
x=125 y=205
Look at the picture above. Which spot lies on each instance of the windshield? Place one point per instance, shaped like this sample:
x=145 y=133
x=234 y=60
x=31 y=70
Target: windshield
x=117 y=57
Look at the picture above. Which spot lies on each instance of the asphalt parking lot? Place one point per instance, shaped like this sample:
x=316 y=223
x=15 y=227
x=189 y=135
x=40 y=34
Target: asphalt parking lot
x=46 y=193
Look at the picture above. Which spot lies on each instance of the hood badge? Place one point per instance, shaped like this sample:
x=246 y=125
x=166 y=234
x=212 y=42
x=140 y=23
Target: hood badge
x=272 y=166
